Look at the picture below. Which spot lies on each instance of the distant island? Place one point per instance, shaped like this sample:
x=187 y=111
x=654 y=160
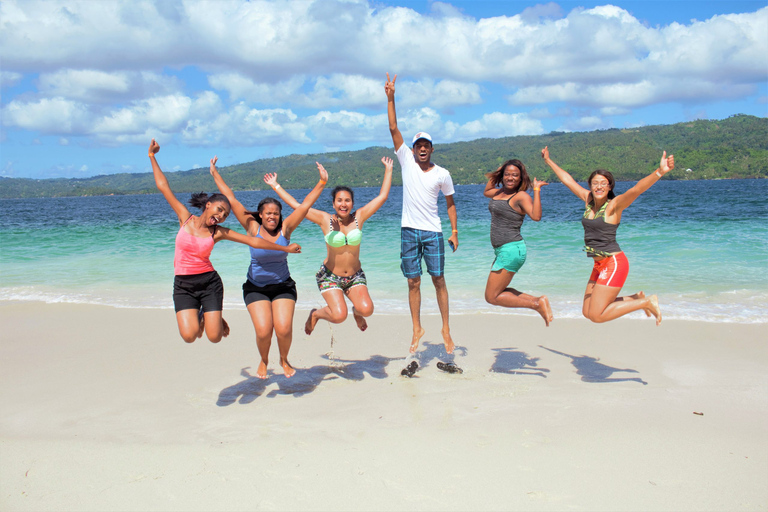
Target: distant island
x=736 y=147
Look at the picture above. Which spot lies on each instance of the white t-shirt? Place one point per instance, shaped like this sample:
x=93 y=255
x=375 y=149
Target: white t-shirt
x=420 y=192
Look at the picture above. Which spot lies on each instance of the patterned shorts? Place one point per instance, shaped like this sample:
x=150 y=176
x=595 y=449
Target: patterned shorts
x=326 y=280
x=417 y=244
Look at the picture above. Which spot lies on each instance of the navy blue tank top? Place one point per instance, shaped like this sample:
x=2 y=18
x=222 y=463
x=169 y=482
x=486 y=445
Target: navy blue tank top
x=269 y=267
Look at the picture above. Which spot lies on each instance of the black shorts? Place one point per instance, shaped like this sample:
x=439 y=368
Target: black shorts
x=271 y=292
x=198 y=290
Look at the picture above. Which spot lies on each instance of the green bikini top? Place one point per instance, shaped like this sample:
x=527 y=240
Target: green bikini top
x=339 y=239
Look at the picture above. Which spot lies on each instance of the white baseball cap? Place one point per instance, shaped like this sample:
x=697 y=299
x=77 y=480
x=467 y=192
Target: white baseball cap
x=421 y=135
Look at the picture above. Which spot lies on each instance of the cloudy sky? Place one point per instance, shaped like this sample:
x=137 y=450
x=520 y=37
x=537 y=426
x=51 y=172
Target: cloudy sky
x=87 y=84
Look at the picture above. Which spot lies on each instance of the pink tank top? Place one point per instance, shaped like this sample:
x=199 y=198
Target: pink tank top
x=192 y=254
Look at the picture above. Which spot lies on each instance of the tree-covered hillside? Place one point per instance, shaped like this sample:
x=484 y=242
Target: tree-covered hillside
x=736 y=147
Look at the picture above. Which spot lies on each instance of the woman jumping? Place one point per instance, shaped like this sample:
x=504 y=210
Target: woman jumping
x=508 y=206
x=198 y=293
x=341 y=273
x=601 y=219
x=269 y=291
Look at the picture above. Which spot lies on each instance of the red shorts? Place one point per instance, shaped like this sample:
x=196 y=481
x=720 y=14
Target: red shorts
x=611 y=271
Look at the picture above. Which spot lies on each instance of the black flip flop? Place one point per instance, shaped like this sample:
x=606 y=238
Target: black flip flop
x=449 y=367
x=409 y=370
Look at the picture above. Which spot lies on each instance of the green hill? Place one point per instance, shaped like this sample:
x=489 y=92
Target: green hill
x=736 y=147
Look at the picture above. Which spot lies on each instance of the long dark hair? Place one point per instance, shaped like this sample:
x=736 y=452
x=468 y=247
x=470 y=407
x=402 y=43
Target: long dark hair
x=200 y=199
x=267 y=200
x=497 y=176
x=608 y=176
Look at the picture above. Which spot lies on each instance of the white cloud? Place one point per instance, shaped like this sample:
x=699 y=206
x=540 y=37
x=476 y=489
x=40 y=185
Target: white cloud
x=9 y=79
x=52 y=116
x=284 y=72
x=95 y=86
x=495 y=125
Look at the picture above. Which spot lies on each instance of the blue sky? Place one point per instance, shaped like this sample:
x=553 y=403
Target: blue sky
x=85 y=85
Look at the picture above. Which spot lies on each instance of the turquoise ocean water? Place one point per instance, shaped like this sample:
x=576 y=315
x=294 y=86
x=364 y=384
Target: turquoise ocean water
x=702 y=246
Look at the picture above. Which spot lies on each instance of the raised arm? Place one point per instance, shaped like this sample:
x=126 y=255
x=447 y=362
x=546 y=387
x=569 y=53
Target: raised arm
x=313 y=215
x=622 y=201
x=389 y=88
x=566 y=178
x=490 y=189
x=223 y=233
x=237 y=207
x=294 y=219
x=532 y=207
x=162 y=185
x=377 y=202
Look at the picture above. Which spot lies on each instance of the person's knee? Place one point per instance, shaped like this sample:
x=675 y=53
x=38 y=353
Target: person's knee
x=438 y=281
x=414 y=283
x=283 y=330
x=338 y=315
x=189 y=337
x=490 y=298
x=365 y=309
x=215 y=338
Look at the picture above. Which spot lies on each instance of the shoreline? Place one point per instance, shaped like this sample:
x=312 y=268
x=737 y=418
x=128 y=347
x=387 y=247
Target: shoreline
x=108 y=409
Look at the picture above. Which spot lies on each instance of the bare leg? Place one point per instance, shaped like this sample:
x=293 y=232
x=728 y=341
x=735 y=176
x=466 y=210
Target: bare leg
x=602 y=304
x=189 y=324
x=441 y=290
x=362 y=305
x=498 y=294
x=414 y=303
x=282 y=318
x=261 y=316
x=335 y=312
x=214 y=326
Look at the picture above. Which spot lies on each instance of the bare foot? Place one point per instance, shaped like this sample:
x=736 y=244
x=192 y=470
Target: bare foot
x=641 y=295
x=653 y=308
x=543 y=308
x=361 y=323
x=309 y=326
x=288 y=370
x=224 y=328
x=417 y=334
x=449 y=346
x=262 y=371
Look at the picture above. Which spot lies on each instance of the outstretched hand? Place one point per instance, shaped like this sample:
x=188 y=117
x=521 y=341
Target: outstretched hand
x=667 y=163
x=294 y=248
x=387 y=163
x=545 y=152
x=322 y=171
x=537 y=183
x=271 y=179
x=389 y=87
x=154 y=147
x=213 y=164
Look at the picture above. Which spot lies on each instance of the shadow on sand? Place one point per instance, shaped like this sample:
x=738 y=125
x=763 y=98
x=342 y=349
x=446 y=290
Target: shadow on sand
x=516 y=362
x=429 y=352
x=303 y=382
x=592 y=371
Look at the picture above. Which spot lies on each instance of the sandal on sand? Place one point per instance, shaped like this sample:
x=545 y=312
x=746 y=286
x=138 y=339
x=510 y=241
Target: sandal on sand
x=449 y=367
x=409 y=370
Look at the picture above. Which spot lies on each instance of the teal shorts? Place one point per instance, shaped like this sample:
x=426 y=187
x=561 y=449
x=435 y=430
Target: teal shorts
x=510 y=257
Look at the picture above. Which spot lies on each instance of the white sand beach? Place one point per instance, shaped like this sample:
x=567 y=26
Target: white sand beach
x=108 y=409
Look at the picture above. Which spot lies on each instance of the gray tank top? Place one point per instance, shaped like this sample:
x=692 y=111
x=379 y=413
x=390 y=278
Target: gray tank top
x=599 y=236
x=505 y=223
